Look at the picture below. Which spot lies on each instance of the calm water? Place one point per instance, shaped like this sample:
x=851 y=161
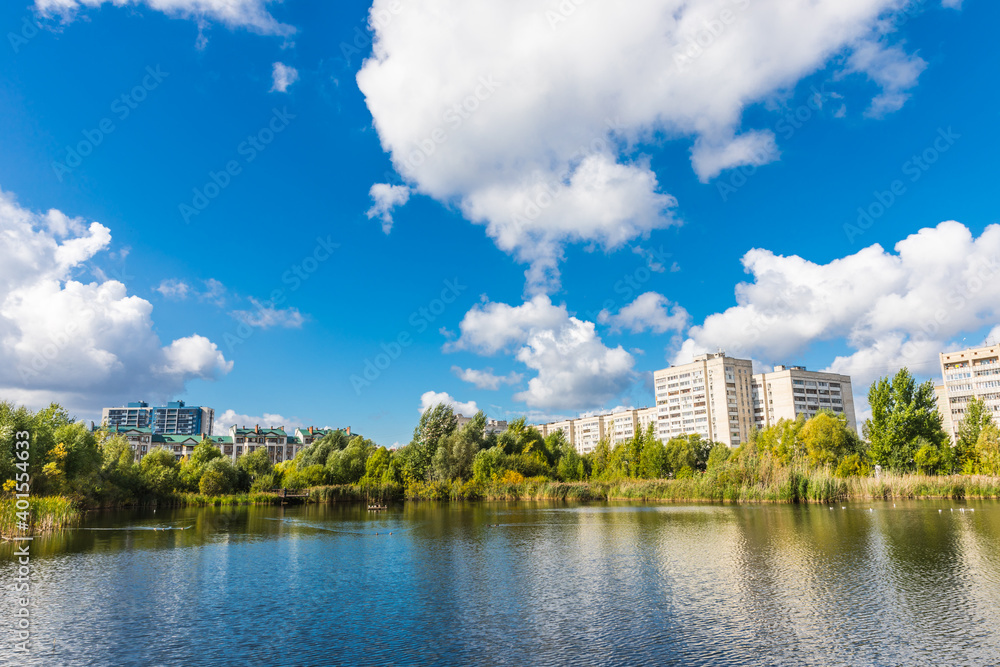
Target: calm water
x=519 y=584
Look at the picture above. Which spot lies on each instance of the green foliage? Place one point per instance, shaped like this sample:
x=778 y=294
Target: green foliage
x=826 y=439
x=717 y=456
x=977 y=417
x=902 y=412
x=212 y=483
x=988 y=450
x=348 y=465
x=160 y=472
x=456 y=451
x=852 y=465
x=928 y=458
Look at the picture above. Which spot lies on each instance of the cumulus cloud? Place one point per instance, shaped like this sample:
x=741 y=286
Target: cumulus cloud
x=574 y=368
x=194 y=357
x=648 y=312
x=282 y=76
x=386 y=197
x=225 y=420
x=173 y=288
x=892 y=309
x=530 y=116
x=251 y=15
x=485 y=378
x=431 y=398
x=265 y=316
x=82 y=344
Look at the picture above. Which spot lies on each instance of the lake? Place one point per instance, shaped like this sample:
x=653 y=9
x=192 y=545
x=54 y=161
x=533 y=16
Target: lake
x=517 y=584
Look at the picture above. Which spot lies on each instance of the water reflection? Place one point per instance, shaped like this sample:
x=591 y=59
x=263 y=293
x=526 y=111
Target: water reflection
x=520 y=583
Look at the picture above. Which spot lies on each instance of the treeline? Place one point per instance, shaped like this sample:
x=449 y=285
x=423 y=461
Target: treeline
x=903 y=435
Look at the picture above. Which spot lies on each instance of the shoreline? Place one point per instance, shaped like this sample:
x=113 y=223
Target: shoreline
x=59 y=512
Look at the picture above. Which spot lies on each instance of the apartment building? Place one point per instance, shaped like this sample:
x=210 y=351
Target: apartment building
x=790 y=391
x=589 y=432
x=968 y=373
x=174 y=418
x=585 y=433
x=241 y=440
x=721 y=398
x=712 y=396
x=492 y=425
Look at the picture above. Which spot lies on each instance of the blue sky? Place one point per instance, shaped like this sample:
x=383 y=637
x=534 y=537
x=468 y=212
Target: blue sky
x=534 y=166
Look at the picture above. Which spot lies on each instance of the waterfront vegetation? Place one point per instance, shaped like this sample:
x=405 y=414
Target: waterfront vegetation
x=816 y=460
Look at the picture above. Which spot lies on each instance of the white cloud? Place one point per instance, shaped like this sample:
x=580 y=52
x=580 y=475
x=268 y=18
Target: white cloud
x=431 y=398
x=282 y=77
x=575 y=369
x=528 y=115
x=266 y=316
x=215 y=292
x=485 y=378
x=173 y=288
x=81 y=344
x=386 y=197
x=892 y=309
x=249 y=14
x=225 y=420
x=894 y=70
x=649 y=311
x=194 y=356
x=710 y=158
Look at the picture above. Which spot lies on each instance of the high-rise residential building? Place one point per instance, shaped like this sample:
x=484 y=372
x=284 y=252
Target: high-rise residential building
x=177 y=418
x=132 y=415
x=790 y=391
x=174 y=418
x=968 y=373
x=722 y=399
x=711 y=395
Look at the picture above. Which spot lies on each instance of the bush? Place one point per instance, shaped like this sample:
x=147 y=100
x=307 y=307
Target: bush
x=852 y=466
x=213 y=483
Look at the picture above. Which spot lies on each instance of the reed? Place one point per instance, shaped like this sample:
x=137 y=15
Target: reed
x=44 y=514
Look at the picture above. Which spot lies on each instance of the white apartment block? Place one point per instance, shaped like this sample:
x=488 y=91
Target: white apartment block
x=711 y=396
x=790 y=391
x=968 y=373
x=589 y=432
x=616 y=427
x=722 y=399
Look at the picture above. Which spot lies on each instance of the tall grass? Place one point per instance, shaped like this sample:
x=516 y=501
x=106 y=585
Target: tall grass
x=44 y=513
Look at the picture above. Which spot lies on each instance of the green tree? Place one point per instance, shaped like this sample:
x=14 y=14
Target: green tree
x=928 y=457
x=682 y=452
x=902 y=412
x=160 y=472
x=988 y=450
x=456 y=452
x=255 y=471
x=436 y=423
x=718 y=456
x=348 y=466
x=192 y=469
x=827 y=438
x=977 y=416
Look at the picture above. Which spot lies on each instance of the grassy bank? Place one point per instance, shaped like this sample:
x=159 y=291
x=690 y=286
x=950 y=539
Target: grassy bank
x=45 y=513
x=55 y=512
x=790 y=488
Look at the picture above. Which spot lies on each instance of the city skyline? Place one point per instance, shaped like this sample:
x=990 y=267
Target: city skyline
x=304 y=214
